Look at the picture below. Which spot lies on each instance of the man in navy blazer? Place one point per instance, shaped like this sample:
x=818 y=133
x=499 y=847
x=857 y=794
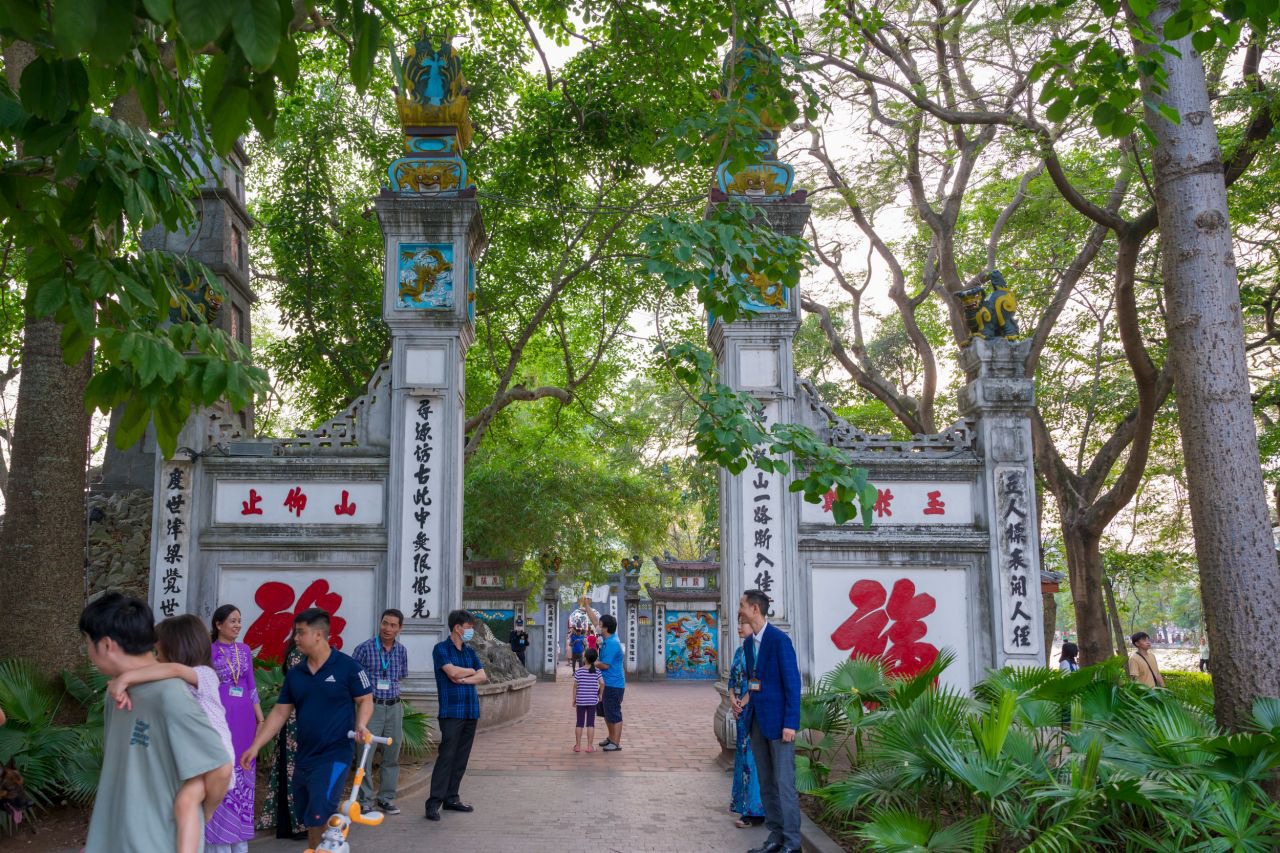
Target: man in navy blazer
x=771 y=714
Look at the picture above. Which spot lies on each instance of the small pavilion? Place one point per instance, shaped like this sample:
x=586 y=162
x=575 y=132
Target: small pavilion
x=491 y=591
x=686 y=619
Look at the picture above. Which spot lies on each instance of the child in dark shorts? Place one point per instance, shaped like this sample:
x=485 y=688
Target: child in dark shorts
x=588 y=686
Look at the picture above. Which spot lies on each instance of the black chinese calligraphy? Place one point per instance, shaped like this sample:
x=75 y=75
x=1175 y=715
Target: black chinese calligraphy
x=419 y=480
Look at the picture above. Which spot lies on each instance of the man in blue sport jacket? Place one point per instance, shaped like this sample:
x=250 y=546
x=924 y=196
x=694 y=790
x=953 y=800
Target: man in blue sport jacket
x=772 y=715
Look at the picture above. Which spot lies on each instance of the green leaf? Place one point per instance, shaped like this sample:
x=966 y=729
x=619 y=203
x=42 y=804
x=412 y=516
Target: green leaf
x=12 y=115
x=161 y=11
x=50 y=297
x=368 y=31
x=257 y=29
x=230 y=117
x=114 y=36
x=1059 y=110
x=24 y=17
x=202 y=21
x=286 y=64
x=1179 y=24
x=74 y=24
x=43 y=89
x=1169 y=113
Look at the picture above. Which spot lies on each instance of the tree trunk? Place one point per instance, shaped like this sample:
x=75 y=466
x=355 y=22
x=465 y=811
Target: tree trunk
x=1239 y=580
x=1084 y=564
x=1049 y=605
x=42 y=541
x=1122 y=648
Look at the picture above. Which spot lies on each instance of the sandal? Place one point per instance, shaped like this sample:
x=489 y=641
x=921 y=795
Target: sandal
x=591 y=749
x=577 y=749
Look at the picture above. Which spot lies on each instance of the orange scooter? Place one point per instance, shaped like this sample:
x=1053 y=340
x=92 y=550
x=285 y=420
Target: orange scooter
x=334 y=839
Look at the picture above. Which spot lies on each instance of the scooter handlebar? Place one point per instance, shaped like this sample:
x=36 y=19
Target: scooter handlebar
x=385 y=741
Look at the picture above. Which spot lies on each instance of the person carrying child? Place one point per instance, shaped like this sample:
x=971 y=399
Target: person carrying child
x=588 y=688
x=182 y=652
x=162 y=758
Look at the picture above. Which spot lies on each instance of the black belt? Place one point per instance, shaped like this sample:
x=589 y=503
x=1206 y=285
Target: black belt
x=395 y=701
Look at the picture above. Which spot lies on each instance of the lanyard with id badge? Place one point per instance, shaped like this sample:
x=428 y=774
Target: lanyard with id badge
x=383 y=684
x=235 y=691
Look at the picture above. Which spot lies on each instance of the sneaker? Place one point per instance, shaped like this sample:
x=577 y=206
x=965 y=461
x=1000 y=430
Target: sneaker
x=605 y=743
x=387 y=808
x=612 y=747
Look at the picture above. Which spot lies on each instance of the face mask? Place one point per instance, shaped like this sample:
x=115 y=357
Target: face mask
x=468 y=635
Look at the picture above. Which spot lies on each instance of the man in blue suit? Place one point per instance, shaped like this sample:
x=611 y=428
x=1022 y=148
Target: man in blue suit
x=772 y=715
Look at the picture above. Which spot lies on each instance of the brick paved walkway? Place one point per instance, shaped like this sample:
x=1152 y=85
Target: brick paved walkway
x=665 y=791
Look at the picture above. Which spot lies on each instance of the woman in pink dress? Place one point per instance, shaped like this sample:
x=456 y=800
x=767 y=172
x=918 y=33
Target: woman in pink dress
x=231 y=828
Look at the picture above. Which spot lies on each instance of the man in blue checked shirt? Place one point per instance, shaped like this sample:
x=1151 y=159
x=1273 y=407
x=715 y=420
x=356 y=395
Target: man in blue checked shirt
x=387 y=663
x=458 y=671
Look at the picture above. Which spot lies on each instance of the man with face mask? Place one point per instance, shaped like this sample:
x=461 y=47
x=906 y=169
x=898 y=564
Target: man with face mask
x=458 y=671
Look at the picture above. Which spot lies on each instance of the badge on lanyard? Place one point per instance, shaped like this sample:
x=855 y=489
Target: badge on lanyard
x=235 y=692
x=753 y=685
x=383 y=684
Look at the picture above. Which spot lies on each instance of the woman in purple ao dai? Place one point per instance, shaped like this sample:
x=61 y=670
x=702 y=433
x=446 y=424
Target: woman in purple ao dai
x=231 y=828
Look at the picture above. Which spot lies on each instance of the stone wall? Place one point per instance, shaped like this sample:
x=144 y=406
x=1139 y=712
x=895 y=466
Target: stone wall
x=119 y=551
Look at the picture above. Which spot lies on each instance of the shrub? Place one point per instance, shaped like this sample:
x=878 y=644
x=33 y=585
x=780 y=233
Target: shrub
x=1193 y=688
x=1133 y=768
x=56 y=761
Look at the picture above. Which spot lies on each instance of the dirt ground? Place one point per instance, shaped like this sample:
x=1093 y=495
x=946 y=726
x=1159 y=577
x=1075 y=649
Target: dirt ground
x=52 y=829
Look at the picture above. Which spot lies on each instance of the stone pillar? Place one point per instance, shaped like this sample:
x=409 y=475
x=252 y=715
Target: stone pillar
x=432 y=234
x=659 y=638
x=758 y=516
x=1001 y=399
x=630 y=623
x=428 y=346
x=551 y=627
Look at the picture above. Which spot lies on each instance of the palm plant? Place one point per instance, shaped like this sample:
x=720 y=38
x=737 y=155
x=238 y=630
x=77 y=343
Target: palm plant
x=1133 y=769
x=56 y=761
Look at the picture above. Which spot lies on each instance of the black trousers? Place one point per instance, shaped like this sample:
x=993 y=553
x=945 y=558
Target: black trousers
x=456 y=737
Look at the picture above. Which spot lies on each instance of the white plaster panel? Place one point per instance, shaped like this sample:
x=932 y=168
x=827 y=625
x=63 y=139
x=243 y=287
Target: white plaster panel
x=757 y=367
x=906 y=502
x=424 y=367
x=419 y=648
x=297 y=502
x=946 y=622
x=269 y=596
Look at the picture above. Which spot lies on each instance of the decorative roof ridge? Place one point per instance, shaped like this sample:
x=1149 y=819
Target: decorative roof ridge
x=960 y=437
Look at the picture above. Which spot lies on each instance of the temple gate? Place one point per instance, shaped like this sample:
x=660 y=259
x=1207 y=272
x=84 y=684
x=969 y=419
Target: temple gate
x=953 y=557
x=365 y=512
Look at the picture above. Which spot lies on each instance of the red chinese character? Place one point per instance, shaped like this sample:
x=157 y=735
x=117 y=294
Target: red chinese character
x=270 y=631
x=295 y=501
x=935 y=507
x=346 y=507
x=250 y=507
x=883 y=498
x=864 y=634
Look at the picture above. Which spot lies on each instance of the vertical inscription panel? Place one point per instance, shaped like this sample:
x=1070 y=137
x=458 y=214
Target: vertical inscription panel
x=1018 y=573
x=762 y=496
x=172 y=563
x=421 y=508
